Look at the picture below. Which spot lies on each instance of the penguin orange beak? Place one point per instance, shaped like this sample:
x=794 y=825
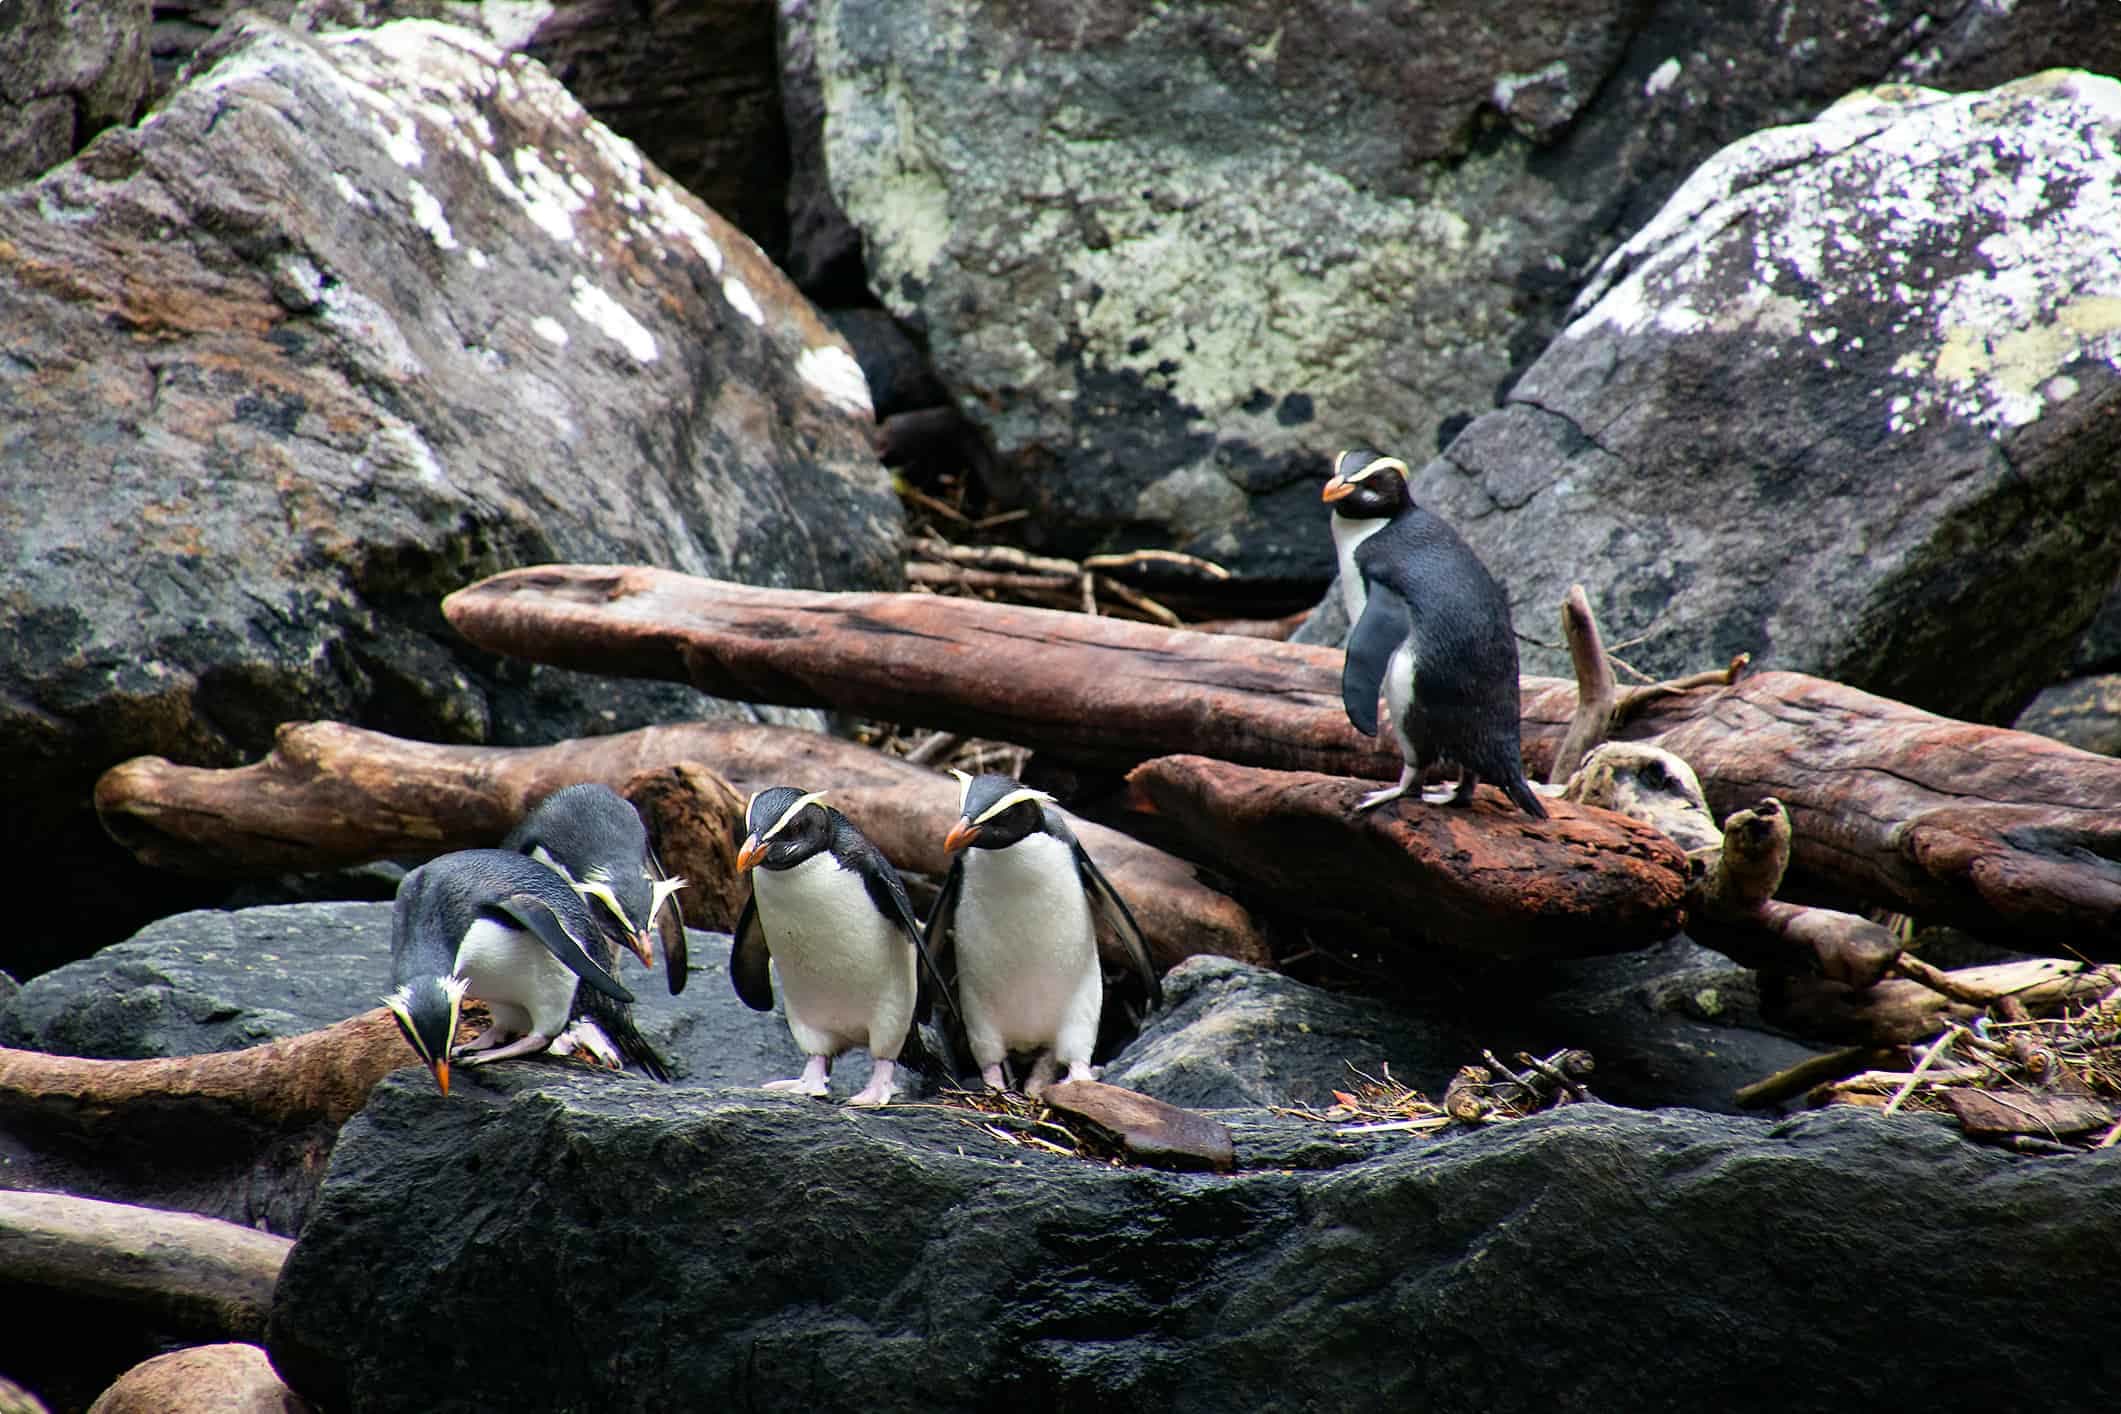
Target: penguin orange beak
x=1337 y=488
x=752 y=852
x=643 y=945
x=441 y=1070
x=964 y=832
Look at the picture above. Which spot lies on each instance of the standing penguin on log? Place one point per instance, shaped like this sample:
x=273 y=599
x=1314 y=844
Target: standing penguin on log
x=1432 y=629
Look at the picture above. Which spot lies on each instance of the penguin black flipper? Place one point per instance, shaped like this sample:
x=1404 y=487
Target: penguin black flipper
x=1106 y=902
x=888 y=892
x=670 y=932
x=1383 y=628
x=750 y=964
x=938 y=938
x=616 y=1022
x=529 y=911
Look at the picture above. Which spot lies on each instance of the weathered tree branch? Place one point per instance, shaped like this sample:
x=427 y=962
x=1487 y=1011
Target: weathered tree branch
x=201 y=1276
x=237 y=1134
x=2000 y=832
x=1481 y=876
x=332 y=795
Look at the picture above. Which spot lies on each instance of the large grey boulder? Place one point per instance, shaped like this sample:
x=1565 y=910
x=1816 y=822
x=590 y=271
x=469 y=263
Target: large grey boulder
x=1170 y=258
x=345 y=324
x=215 y=980
x=1848 y=403
x=1671 y=1025
x=67 y=71
x=674 y=1248
x=694 y=86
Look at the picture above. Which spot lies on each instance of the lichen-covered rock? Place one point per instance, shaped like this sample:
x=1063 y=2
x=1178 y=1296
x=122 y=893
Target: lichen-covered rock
x=67 y=71
x=767 y=1253
x=1171 y=257
x=692 y=85
x=345 y=324
x=1848 y=403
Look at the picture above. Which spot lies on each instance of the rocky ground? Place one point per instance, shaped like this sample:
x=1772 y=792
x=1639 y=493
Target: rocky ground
x=1784 y=331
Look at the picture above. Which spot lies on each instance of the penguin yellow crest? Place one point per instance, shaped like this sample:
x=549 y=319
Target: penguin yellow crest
x=794 y=809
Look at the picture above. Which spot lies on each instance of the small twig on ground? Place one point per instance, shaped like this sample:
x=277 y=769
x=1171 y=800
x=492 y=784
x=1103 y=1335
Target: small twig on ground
x=1929 y=1058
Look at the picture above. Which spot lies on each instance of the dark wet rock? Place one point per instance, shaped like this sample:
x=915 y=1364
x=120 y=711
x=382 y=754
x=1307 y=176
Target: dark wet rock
x=1671 y=1025
x=218 y=981
x=787 y=1256
x=347 y=323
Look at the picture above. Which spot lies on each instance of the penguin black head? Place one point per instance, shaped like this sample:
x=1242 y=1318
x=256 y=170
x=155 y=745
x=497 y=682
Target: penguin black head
x=994 y=812
x=1366 y=485
x=426 y=1012
x=591 y=835
x=787 y=827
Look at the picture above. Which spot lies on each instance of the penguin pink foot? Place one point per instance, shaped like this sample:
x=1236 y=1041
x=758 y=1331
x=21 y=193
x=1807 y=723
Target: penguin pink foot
x=1389 y=794
x=878 y=1091
x=530 y=1045
x=811 y=1082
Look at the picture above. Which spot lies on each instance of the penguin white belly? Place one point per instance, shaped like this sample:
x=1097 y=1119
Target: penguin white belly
x=846 y=971
x=1347 y=536
x=527 y=988
x=1027 y=953
x=1399 y=695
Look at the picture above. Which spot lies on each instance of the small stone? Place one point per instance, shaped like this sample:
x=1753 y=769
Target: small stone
x=1151 y=1131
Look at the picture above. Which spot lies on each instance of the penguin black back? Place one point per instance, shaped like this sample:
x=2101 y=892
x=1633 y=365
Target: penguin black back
x=1429 y=591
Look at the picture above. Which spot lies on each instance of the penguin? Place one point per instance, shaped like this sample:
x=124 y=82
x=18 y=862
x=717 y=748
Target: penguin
x=1362 y=508
x=494 y=925
x=1432 y=628
x=829 y=913
x=595 y=840
x=1018 y=914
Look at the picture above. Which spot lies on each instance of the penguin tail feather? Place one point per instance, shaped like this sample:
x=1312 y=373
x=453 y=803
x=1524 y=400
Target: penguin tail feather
x=1520 y=791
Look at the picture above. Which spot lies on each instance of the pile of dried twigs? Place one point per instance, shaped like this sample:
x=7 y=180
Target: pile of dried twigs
x=1493 y=1093
x=1025 y=1123
x=2037 y=1084
x=1006 y=572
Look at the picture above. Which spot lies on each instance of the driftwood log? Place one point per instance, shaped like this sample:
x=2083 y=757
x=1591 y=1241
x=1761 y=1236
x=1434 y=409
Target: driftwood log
x=204 y=1277
x=238 y=1134
x=1482 y=876
x=2006 y=834
x=330 y=795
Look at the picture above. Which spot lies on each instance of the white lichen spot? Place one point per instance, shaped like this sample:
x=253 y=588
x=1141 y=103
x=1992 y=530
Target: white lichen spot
x=513 y=23
x=427 y=211
x=477 y=258
x=401 y=138
x=546 y=197
x=352 y=194
x=739 y=296
x=369 y=327
x=1661 y=78
x=551 y=330
x=1508 y=86
x=2060 y=388
x=833 y=372
x=399 y=445
x=609 y=317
